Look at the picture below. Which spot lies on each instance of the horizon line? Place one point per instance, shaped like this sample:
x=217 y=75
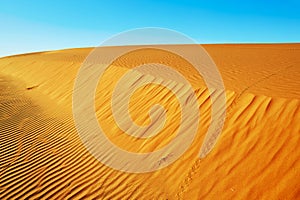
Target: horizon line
x=88 y=47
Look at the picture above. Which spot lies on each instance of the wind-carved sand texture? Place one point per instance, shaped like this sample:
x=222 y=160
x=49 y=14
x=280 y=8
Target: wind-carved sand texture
x=256 y=156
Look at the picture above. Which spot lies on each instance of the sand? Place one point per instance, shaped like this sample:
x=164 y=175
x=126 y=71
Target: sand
x=256 y=156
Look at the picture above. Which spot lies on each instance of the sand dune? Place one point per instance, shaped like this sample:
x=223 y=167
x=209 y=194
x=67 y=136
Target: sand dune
x=256 y=157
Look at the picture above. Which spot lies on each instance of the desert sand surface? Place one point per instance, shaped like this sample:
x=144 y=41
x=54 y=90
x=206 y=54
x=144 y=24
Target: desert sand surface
x=256 y=157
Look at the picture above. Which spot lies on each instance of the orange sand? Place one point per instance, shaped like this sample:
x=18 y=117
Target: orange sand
x=256 y=157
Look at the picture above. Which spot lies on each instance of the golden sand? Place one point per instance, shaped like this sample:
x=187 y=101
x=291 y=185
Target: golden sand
x=256 y=156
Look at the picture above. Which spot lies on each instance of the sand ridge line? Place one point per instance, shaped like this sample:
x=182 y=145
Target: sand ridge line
x=193 y=170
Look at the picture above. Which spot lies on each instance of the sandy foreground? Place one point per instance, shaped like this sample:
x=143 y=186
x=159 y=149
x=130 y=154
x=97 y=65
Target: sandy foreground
x=256 y=157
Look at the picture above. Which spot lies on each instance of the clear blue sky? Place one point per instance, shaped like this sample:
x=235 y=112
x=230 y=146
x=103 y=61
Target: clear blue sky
x=36 y=25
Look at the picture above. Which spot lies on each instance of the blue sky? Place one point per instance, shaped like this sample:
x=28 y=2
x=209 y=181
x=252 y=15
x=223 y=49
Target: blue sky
x=34 y=25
